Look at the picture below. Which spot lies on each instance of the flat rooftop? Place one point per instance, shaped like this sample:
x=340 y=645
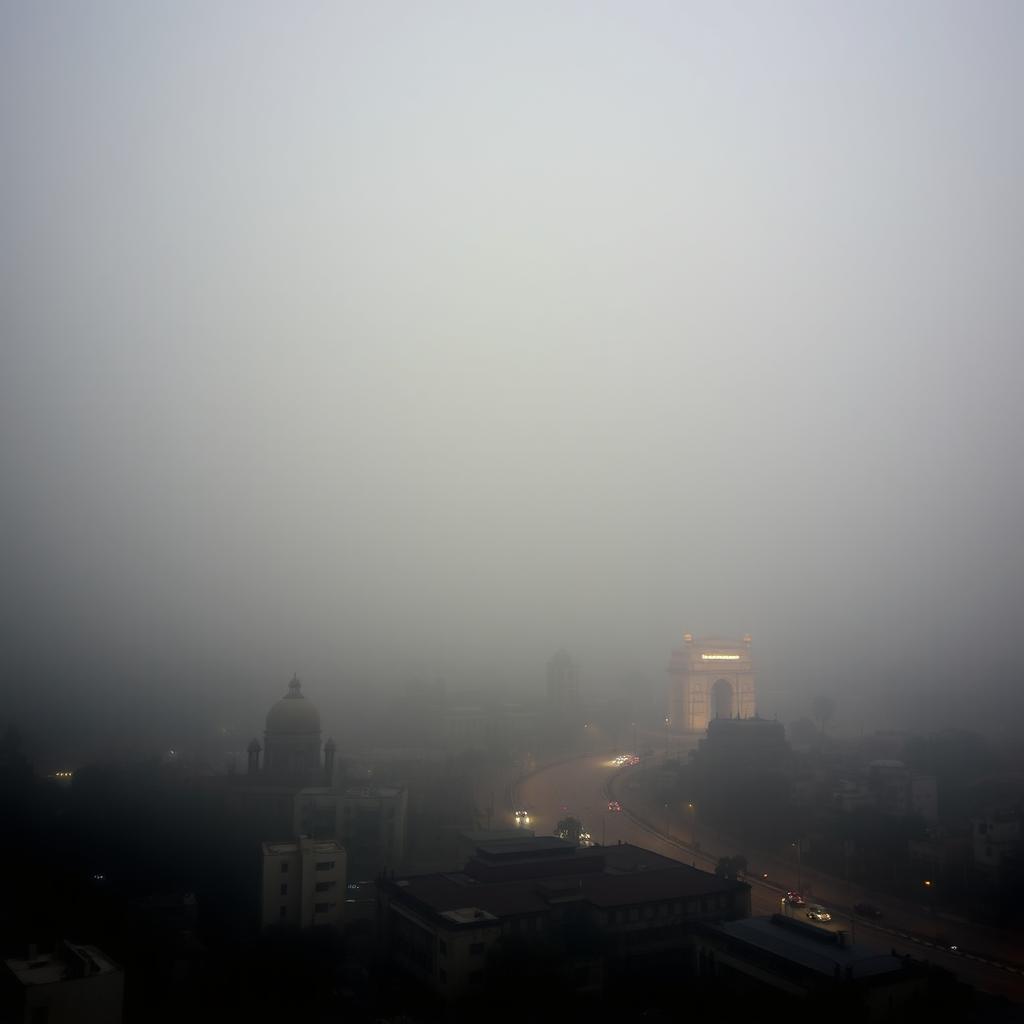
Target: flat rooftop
x=524 y=846
x=73 y=961
x=292 y=846
x=801 y=947
x=628 y=875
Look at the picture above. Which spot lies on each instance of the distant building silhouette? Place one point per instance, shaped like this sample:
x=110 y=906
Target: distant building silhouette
x=291 y=742
x=295 y=791
x=563 y=683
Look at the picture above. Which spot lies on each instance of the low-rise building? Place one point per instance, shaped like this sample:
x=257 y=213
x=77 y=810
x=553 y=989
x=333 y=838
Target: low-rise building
x=441 y=928
x=786 y=957
x=74 y=984
x=302 y=883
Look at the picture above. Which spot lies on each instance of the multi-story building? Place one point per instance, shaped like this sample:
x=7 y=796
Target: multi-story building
x=302 y=883
x=371 y=824
x=996 y=836
x=296 y=790
x=441 y=927
x=900 y=792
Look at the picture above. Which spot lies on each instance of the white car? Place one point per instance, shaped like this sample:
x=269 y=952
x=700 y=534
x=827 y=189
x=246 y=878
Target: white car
x=818 y=913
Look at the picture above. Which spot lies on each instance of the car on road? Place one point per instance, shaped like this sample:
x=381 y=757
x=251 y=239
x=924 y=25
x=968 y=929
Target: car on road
x=614 y=805
x=818 y=913
x=867 y=910
x=522 y=817
x=794 y=899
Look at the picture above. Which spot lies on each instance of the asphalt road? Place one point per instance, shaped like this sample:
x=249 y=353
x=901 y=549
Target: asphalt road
x=583 y=788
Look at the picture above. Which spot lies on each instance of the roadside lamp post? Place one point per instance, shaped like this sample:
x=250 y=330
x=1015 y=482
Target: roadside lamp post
x=693 y=824
x=799 y=868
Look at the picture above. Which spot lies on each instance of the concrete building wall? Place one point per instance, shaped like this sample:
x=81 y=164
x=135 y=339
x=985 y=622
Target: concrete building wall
x=74 y=985
x=302 y=883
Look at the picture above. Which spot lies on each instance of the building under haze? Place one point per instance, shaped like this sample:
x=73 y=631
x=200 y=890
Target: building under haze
x=296 y=790
x=302 y=883
x=291 y=743
x=448 y=930
x=73 y=984
x=563 y=684
x=710 y=678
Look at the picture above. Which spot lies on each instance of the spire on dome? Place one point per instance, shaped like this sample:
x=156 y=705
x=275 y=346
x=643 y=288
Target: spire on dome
x=295 y=687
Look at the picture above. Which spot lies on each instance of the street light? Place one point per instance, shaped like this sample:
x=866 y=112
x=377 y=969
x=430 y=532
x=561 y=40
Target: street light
x=799 y=886
x=693 y=824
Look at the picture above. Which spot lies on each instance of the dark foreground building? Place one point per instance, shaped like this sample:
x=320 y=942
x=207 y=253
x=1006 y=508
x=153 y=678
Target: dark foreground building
x=791 y=963
x=584 y=920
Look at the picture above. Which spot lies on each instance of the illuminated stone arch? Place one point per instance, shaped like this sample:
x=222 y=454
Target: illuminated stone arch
x=697 y=669
x=722 y=703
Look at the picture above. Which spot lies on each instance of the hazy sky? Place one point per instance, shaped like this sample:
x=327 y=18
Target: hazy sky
x=377 y=341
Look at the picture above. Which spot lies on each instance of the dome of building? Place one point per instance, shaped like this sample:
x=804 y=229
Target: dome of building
x=293 y=715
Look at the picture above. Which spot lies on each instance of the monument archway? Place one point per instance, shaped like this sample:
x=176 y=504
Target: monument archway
x=710 y=678
x=722 y=703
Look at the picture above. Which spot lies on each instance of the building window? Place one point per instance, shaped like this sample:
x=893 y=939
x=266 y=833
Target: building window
x=321 y=908
x=325 y=865
x=443 y=947
x=282 y=913
x=284 y=867
x=475 y=977
x=324 y=886
x=284 y=889
x=476 y=949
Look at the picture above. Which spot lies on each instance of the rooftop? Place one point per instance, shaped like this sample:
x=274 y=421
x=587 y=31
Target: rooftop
x=68 y=961
x=612 y=876
x=292 y=846
x=813 y=949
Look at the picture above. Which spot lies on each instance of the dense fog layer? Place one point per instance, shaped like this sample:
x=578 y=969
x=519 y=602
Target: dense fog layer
x=385 y=342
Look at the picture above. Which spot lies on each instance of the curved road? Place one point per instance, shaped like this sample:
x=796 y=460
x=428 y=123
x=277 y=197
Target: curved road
x=583 y=788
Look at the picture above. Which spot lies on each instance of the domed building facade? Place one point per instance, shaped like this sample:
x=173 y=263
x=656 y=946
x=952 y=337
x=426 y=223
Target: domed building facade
x=295 y=792
x=291 y=742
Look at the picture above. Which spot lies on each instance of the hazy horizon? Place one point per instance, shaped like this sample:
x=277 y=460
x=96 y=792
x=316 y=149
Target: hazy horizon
x=389 y=342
